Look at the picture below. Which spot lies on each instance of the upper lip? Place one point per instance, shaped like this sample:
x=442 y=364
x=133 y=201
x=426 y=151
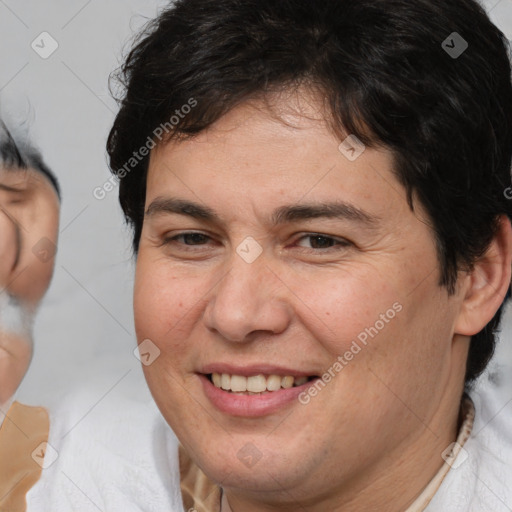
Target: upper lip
x=254 y=369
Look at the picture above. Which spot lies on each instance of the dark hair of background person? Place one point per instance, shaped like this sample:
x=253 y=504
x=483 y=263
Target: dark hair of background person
x=15 y=155
x=383 y=75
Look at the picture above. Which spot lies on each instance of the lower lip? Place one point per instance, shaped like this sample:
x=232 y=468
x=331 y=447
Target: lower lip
x=251 y=405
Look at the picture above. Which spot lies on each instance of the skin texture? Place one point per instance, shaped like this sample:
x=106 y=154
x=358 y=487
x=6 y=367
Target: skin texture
x=373 y=437
x=29 y=217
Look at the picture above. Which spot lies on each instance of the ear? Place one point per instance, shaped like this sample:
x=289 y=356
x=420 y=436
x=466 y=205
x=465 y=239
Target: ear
x=485 y=287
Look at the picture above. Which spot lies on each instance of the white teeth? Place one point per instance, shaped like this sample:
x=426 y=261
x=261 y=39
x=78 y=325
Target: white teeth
x=217 y=380
x=225 y=382
x=287 y=382
x=274 y=383
x=239 y=383
x=255 y=384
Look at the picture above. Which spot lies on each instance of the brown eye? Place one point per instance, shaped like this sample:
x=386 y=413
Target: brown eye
x=321 y=242
x=188 y=239
x=193 y=238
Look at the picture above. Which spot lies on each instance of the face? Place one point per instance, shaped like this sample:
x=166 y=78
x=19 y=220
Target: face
x=270 y=259
x=29 y=213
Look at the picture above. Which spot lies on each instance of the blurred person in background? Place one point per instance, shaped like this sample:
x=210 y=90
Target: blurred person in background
x=29 y=219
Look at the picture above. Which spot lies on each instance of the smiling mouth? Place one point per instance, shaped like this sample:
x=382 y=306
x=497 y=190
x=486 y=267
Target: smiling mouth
x=257 y=384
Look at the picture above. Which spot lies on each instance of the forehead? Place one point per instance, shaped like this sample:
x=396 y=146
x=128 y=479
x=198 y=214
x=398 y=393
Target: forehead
x=282 y=154
x=30 y=178
x=24 y=187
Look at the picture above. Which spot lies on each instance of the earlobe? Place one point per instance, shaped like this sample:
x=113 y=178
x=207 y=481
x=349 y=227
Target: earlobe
x=487 y=284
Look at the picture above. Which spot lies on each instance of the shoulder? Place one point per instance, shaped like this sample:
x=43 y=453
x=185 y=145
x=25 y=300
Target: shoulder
x=112 y=454
x=481 y=476
x=23 y=437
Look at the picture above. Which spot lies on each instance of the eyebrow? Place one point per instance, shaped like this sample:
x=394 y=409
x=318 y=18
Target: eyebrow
x=8 y=189
x=282 y=215
x=40 y=170
x=332 y=210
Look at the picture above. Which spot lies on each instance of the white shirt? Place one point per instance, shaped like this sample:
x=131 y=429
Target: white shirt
x=481 y=477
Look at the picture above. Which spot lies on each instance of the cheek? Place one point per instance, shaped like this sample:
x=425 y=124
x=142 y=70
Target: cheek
x=343 y=305
x=372 y=328
x=39 y=248
x=165 y=303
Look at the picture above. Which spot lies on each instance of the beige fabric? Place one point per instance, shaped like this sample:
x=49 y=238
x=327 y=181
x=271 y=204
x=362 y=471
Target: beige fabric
x=21 y=434
x=200 y=494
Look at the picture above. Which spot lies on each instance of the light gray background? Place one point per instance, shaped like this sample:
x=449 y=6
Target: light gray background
x=84 y=332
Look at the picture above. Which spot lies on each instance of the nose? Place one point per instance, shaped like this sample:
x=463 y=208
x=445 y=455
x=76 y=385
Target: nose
x=249 y=300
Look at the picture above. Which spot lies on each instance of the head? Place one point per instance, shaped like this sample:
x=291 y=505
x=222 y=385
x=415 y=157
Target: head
x=29 y=216
x=316 y=190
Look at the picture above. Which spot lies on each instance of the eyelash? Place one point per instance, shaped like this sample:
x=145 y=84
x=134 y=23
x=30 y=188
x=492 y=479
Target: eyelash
x=339 y=243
